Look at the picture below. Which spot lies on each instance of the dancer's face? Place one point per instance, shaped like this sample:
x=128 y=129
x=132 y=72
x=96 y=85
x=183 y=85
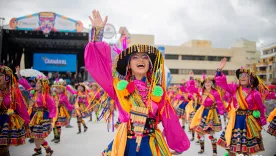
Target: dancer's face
x=197 y=83
x=170 y=88
x=2 y=79
x=208 y=84
x=244 y=79
x=94 y=87
x=32 y=83
x=59 y=90
x=139 y=64
x=80 y=88
x=38 y=85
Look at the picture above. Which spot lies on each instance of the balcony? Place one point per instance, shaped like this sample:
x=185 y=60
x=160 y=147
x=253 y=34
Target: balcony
x=270 y=63
x=261 y=72
x=261 y=64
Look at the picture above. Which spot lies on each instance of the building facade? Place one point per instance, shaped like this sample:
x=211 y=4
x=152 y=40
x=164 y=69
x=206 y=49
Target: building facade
x=266 y=66
x=200 y=57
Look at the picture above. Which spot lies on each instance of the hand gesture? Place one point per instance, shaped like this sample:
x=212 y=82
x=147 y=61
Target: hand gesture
x=191 y=74
x=17 y=69
x=96 y=19
x=27 y=132
x=222 y=63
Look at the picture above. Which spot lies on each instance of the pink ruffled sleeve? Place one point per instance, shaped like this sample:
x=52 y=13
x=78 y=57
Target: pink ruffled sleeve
x=21 y=109
x=221 y=81
x=66 y=102
x=72 y=91
x=97 y=57
x=183 y=89
x=51 y=106
x=25 y=84
x=175 y=135
x=271 y=95
x=258 y=101
x=220 y=105
x=98 y=63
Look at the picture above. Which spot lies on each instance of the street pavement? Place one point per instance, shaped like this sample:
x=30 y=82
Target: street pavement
x=92 y=143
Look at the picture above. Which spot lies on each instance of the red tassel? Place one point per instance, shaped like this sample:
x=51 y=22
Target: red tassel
x=130 y=87
x=211 y=137
x=45 y=143
x=198 y=137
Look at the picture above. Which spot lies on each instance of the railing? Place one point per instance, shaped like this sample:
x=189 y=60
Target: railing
x=261 y=72
x=270 y=62
x=261 y=64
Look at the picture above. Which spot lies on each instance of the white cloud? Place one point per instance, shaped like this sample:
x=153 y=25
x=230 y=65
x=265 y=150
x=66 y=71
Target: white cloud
x=172 y=22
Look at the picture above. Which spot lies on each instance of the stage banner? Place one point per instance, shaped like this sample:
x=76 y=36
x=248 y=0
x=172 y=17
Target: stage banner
x=46 y=22
x=55 y=62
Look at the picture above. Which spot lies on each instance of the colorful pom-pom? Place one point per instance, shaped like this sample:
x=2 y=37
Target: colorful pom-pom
x=155 y=98
x=54 y=94
x=10 y=112
x=256 y=114
x=130 y=87
x=32 y=92
x=121 y=85
x=226 y=154
x=157 y=91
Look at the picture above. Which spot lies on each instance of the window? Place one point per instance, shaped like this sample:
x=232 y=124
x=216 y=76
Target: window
x=199 y=71
x=210 y=72
x=171 y=57
x=188 y=57
x=225 y=72
x=212 y=58
x=232 y=72
x=174 y=71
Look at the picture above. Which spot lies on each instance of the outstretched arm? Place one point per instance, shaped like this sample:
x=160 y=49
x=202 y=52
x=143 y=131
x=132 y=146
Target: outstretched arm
x=97 y=56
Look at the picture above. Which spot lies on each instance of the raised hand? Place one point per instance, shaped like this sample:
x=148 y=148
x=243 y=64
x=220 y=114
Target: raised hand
x=96 y=19
x=17 y=69
x=191 y=74
x=222 y=63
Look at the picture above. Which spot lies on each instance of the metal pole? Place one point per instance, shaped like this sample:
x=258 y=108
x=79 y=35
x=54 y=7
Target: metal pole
x=2 y=20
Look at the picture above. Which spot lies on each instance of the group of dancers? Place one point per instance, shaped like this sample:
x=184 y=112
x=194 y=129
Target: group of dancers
x=135 y=86
x=45 y=110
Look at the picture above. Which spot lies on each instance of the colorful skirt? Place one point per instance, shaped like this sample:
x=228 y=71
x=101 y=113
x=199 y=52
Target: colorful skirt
x=12 y=130
x=40 y=123
x=150 y=145
x=210 y=122
x=180 y=109
x=272 y=127
x=241 y=141
x=192 y=114
x=63 y=117
x=83 y=111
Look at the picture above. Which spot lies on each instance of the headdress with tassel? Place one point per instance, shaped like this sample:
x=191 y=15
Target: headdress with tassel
x=16 y=96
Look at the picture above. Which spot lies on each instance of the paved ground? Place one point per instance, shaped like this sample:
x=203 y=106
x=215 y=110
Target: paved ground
x=97 y=138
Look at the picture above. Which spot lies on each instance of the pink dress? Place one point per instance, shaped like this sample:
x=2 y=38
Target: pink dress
x=13 y=135
x=99 y=64
x=43 y=109
x=241 y=122
x=63 y=106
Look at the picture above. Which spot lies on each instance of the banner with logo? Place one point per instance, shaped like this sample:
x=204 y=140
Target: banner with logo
x=55 y=62
x=46 y=22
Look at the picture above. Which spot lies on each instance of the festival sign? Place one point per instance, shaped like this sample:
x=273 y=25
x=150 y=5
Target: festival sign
x=46 y=22
x=55 y=62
